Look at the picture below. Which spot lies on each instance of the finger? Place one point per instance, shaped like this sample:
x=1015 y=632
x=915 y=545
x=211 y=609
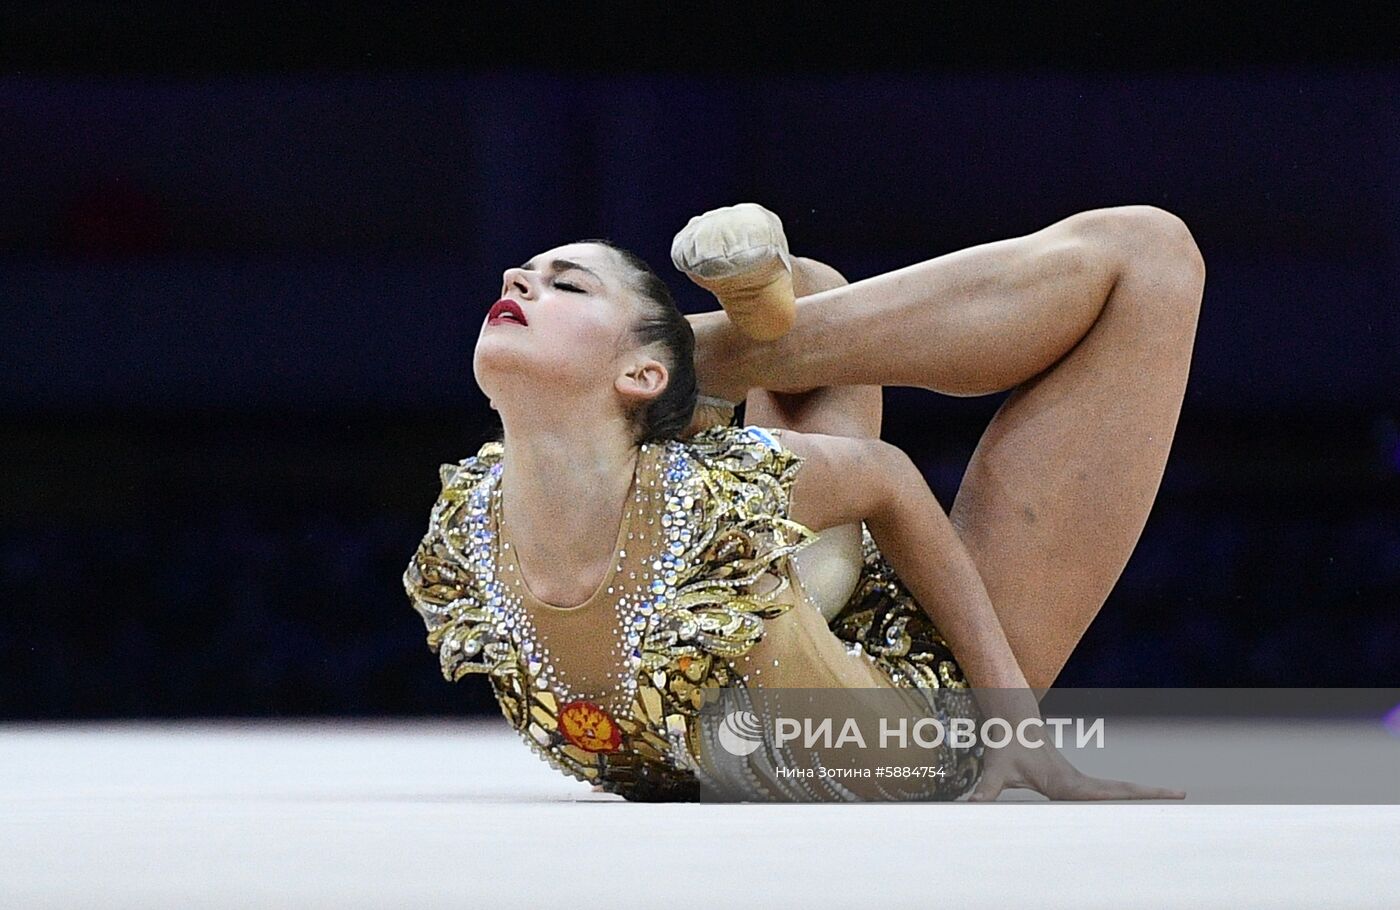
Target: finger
x=1137 y=791
x=1122 y=789
x=1108 y=788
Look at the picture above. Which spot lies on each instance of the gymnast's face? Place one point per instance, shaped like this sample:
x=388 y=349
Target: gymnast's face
x=564 y=324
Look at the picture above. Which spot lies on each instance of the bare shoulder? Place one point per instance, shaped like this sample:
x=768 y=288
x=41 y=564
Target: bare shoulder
x=842 y=478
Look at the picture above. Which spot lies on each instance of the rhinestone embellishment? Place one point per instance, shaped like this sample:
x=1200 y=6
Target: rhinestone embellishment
x=635 y=602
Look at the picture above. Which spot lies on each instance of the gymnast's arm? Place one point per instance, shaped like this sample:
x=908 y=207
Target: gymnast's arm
x=845 y=479
x=848 y=479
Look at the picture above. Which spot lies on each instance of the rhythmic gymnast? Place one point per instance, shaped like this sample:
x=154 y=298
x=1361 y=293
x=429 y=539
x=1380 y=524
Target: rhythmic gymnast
x=625 y=548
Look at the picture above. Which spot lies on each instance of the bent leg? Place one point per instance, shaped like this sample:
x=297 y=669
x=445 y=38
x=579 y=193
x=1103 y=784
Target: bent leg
x=1092 y=320
x=833 y=410
x=1059 y=489
x=969 y=322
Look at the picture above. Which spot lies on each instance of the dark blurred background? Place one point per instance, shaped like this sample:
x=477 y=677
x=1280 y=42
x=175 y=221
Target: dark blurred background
x=244 y=256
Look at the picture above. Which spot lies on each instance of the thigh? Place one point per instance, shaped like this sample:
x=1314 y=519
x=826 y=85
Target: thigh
x=1059 y=488
x=1090 y=322
x=971 y=322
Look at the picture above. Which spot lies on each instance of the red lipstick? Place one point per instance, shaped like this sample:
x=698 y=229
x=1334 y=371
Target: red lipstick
x=506 y=310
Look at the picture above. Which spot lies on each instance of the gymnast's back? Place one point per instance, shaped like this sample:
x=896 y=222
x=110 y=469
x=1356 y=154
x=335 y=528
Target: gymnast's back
x=712 y=588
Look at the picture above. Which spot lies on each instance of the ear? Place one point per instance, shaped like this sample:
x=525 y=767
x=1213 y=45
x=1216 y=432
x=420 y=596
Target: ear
x=643 y=380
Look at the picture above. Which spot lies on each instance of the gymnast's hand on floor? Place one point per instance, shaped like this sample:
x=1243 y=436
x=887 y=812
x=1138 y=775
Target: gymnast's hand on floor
x=1045 y=770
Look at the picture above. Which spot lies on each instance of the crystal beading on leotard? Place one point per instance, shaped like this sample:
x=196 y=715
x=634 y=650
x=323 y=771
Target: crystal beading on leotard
x=718 y=538
x=632 y=609
x=682 y=623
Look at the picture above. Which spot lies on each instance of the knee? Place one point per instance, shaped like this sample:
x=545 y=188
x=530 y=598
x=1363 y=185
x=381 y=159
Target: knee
x=1149 y=237
x=1167 y=234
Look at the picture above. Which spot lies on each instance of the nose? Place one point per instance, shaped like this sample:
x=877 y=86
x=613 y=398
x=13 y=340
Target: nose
x=518 y=280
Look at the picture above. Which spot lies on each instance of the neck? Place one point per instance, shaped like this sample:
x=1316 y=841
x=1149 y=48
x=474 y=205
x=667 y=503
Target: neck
x=564 y=490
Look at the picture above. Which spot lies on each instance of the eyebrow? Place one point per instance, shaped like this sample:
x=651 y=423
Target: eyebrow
x=564 y=265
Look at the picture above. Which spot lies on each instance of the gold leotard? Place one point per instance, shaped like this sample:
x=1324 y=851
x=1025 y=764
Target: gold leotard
x=704 y=593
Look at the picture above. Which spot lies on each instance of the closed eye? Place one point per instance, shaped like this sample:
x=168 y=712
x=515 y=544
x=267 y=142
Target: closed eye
x=565 y=286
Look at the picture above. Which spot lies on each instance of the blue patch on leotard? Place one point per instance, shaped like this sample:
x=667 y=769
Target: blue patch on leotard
x=764 y=437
